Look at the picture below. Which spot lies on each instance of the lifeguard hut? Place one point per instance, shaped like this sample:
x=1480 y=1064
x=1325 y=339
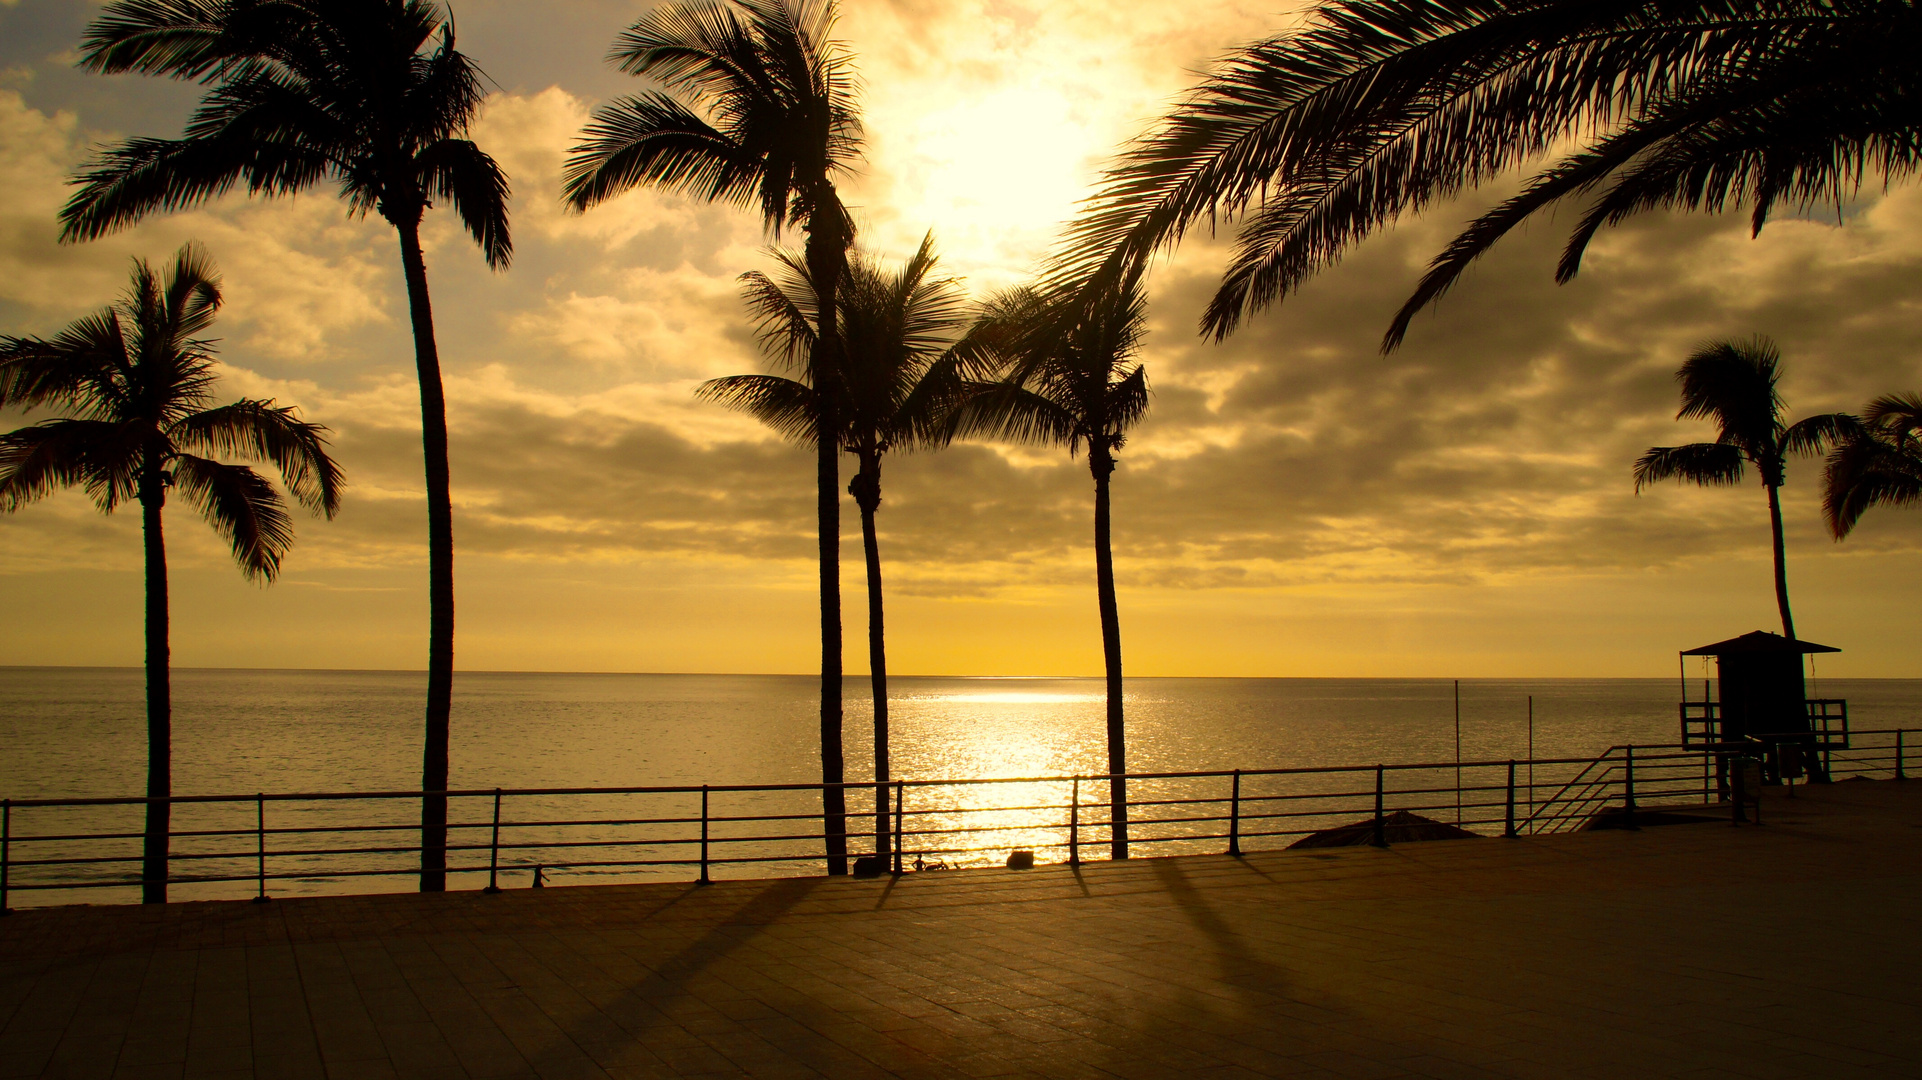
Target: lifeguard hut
x=1764 y=709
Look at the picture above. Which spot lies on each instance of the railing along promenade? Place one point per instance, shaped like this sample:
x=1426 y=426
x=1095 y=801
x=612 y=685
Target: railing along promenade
x=322 y=841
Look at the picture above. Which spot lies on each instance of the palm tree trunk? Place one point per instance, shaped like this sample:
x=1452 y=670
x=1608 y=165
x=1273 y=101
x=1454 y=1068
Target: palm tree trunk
x=1781 y=562
x=153 y=863
x=440 y=567
x=826 y=248
x=866 y=490
x=1101 y=461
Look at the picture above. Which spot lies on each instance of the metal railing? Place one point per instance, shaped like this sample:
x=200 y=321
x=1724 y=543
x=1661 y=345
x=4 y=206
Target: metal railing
x=329 y=839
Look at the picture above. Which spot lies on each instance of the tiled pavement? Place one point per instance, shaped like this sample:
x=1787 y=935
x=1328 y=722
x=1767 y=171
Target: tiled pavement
x=1700 y=950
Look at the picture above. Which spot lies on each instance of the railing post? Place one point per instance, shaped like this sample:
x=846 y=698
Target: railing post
x=1381 y=822
x=1628 y=790
x=1509 y=828
x=6 y=854
x=494 y=849
x=1074 y=825
x=1898 y=755
x=260 y=846
x=1234 y=818
x=704 y=878
x=900 y=797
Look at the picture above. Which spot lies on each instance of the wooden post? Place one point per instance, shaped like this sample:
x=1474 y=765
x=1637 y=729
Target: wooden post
x=260 y=846
x=1234 y=817
x=900 y=793
x=6 y=854
x=1509 y=830
x=1074 y=825
x=1381 y=825
x=704 y=878
x=494 y=849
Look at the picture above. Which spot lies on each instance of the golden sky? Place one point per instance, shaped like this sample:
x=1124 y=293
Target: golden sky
x=1296 y=504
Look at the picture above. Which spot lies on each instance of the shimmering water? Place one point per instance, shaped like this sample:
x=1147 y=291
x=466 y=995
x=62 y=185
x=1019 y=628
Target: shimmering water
x=70 y=732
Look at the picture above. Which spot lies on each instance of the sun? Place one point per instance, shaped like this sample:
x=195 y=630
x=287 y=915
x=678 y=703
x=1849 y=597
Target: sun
x=994 y=175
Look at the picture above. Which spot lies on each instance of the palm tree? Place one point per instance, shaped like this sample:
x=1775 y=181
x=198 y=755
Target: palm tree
x=756 y=109
x=905 y=364
x=1733 y=384
x=370 y=94
x=1071 y=380
x=1318 y=137
x=141 y=383
x=1877 y=463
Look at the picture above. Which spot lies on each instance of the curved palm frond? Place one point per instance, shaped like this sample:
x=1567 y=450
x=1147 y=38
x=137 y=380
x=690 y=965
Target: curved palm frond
x=1818 y=434
x=1373 y=109
x=654 y=139
x=462 y=173
x=80 y=368
x=1867 y=471
x=262 y=431
x=790 y=408
x=243 y=508
x=1707 y=464
x=37 y=460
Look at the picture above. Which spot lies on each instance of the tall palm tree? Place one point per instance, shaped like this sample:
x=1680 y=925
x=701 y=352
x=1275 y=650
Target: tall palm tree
x=1733 y=384
x=1877 y=463
x=140 y=382
x=756 y=109
x=905 y=364
x=1071 y=379
x=370 y=94
x=1317 y=137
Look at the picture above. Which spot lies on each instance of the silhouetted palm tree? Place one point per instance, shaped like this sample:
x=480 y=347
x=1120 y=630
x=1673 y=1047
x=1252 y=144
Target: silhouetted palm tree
x=370 y=94
x=141 y=384
x=1071 y=379
x=776 y=123
x=1733 y=384
x=1315 y=138
x=906 y=362
x=1878 y=463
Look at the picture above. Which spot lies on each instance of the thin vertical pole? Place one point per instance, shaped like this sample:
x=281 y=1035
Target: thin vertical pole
x=1628 y=791
x=1458 y=752
x=494 y=849
x=1531 y=758
x=900 y=793
x=6 y=853
x=260 y=846
x=1074 y=825
x=1381 y=825
x=1234 y=817
x=1898 y=755
x=704 y=878
x=1510 y=829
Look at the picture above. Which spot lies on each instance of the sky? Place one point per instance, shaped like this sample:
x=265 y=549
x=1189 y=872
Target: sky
x=1295 y=504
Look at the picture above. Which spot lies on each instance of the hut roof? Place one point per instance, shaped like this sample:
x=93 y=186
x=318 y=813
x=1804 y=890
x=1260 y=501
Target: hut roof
x=1758 y=641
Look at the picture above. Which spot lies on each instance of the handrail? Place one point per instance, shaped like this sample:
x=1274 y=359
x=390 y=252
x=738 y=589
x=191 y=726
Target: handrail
x=707 y=827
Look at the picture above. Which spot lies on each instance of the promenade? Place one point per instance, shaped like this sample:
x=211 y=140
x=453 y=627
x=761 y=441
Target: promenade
x=1789 y=950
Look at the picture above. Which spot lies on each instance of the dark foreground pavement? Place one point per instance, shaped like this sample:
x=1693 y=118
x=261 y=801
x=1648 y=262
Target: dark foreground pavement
x=1700 y=950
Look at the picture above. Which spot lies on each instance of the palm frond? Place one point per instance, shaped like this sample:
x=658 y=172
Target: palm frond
x=37 y=460
x=1817 y=434
x=262 y=431
x=1874 y=468
x=792 y=409
x=243 y=508
x=1707 y=464
x=1733 y=383
x=459 y=171
x=654 y=139
x=77 y=369
x=1009 y=412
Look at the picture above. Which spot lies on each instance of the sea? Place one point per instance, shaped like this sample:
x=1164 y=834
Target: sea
x=72 y=733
